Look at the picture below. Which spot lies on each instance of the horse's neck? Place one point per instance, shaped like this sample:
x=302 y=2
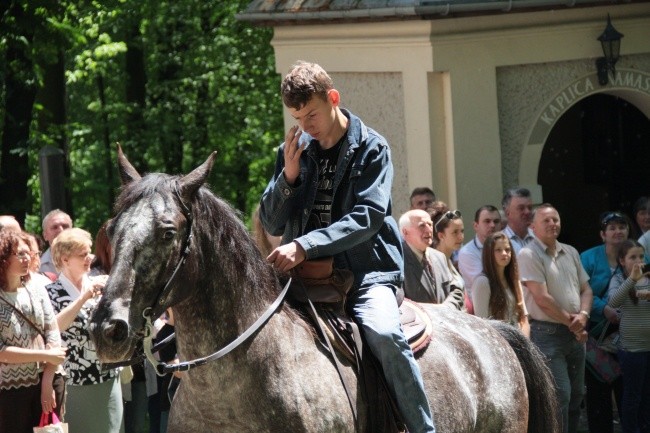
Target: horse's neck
x=205 y=324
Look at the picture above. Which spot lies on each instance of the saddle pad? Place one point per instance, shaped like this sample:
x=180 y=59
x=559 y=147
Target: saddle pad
x=416 y=324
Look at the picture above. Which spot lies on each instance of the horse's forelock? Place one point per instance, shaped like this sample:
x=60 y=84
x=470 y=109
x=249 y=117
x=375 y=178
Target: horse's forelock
x=135 y=191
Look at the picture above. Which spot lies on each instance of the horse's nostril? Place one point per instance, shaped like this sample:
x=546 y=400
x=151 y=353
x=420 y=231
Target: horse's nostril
x=117 y=330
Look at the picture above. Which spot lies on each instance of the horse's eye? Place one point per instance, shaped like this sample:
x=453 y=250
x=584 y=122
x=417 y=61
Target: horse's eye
x=169 y=234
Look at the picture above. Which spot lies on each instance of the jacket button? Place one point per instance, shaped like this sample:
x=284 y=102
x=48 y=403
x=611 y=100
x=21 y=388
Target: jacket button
x=286 y=191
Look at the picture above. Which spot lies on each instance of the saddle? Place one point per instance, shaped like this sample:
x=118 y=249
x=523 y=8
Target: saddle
x=416 y=325
x=338 y=332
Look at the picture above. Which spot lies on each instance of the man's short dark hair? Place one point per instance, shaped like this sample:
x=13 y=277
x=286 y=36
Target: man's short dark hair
x=542 y=206
x=303 y=81
x=421 y=190
x=487 y=207
x=514 y=192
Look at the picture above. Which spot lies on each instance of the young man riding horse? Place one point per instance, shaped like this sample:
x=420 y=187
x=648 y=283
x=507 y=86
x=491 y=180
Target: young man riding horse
x=331 y=196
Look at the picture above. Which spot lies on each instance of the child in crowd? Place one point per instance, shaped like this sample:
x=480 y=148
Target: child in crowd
x=629 y=291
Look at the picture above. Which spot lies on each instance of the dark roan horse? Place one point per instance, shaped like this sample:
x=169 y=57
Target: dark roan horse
x=281 y=379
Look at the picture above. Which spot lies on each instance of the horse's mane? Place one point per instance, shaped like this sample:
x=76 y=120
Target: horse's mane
x=221 y=246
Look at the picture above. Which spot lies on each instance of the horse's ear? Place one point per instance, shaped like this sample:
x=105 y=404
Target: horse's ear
x=191 y=182
x=127 y=172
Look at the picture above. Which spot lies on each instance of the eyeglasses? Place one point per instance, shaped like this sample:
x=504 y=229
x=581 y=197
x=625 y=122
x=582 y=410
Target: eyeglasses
x=613 y=216
x=23 y=255
x=450 y=215
x=84 y=256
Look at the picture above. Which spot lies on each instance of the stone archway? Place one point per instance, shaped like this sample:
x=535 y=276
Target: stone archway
x=629 y=84
x=575 y=164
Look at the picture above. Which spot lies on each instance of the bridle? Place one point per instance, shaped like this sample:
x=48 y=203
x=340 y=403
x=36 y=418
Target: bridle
x=156 y=308
x=150 y=313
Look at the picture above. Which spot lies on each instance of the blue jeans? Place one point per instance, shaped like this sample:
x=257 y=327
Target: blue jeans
x=375 y=309
x=635 y=416
x=565 y=356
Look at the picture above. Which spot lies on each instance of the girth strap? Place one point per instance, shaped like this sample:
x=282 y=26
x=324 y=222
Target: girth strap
x=337 y=363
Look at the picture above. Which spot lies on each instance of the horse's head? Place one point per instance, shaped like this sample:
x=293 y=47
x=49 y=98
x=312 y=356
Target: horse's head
x=151 y=235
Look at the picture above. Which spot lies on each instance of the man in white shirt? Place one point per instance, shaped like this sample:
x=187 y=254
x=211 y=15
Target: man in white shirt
x=518 y=207
x=487 y=220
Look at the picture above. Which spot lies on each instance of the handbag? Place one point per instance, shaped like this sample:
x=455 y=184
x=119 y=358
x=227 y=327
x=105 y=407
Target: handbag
x=600 y=353
x=318 y=281
x=50 y=423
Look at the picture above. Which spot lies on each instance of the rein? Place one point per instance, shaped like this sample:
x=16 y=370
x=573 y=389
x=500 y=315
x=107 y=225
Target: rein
x=163 y=368
x=151 y=312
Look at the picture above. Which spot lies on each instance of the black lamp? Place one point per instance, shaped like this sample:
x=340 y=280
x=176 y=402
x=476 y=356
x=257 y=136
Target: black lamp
x=610 y=39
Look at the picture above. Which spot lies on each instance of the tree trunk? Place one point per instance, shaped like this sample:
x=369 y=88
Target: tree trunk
x=136 y=91
x=53 y=117
x=20 y=90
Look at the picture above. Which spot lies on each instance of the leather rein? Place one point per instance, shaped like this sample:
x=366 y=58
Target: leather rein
x=149 y=348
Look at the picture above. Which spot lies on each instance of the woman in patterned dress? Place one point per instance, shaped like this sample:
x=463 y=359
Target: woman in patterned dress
x=94 y=402
x=27 y=363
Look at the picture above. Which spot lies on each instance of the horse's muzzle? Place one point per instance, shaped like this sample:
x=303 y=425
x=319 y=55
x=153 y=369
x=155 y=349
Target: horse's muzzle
x=116 y=331
x=110 y=330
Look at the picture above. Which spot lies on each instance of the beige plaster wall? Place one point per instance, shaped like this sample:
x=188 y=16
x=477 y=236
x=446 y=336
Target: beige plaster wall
x=456 y=97
x=367 y=96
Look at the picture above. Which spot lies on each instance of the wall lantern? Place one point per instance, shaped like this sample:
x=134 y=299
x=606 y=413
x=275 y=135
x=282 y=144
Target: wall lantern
x=610 y=39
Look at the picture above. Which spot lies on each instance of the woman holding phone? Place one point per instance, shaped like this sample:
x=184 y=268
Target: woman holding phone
x=94 y=394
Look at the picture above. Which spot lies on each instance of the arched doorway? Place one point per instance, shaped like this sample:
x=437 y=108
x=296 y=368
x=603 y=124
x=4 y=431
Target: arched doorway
x=596 y=158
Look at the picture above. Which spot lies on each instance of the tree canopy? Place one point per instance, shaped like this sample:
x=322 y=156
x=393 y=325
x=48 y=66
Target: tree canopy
x=169 y=81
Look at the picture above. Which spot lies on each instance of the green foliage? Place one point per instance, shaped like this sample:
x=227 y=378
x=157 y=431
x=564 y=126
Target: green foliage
x=170 y=81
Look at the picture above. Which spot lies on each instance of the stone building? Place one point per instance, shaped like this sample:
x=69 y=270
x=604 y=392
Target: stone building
x=476 y=96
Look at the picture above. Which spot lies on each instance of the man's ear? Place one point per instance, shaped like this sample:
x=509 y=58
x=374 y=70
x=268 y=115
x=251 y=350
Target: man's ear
x=334 y=97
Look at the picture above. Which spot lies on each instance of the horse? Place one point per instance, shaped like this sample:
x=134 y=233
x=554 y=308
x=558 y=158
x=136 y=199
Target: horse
x=176 y=244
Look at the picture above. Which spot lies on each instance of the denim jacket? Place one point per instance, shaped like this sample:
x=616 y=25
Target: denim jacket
x=363 y=236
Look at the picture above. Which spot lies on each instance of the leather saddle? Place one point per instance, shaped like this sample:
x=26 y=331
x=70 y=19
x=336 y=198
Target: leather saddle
x=338 y=327
x=338 y=332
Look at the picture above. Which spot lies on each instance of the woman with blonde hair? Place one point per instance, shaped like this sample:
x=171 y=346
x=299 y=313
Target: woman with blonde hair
x=94 y=394
x=497 y=292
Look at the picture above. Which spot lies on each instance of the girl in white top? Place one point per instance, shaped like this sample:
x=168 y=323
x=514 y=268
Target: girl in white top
x=497 y=293
x=449 y=232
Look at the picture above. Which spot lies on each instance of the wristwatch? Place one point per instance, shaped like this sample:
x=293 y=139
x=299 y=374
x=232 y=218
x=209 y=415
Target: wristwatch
x=585 y=313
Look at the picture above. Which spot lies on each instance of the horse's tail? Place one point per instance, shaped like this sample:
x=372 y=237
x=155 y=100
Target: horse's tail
x=543 y=407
